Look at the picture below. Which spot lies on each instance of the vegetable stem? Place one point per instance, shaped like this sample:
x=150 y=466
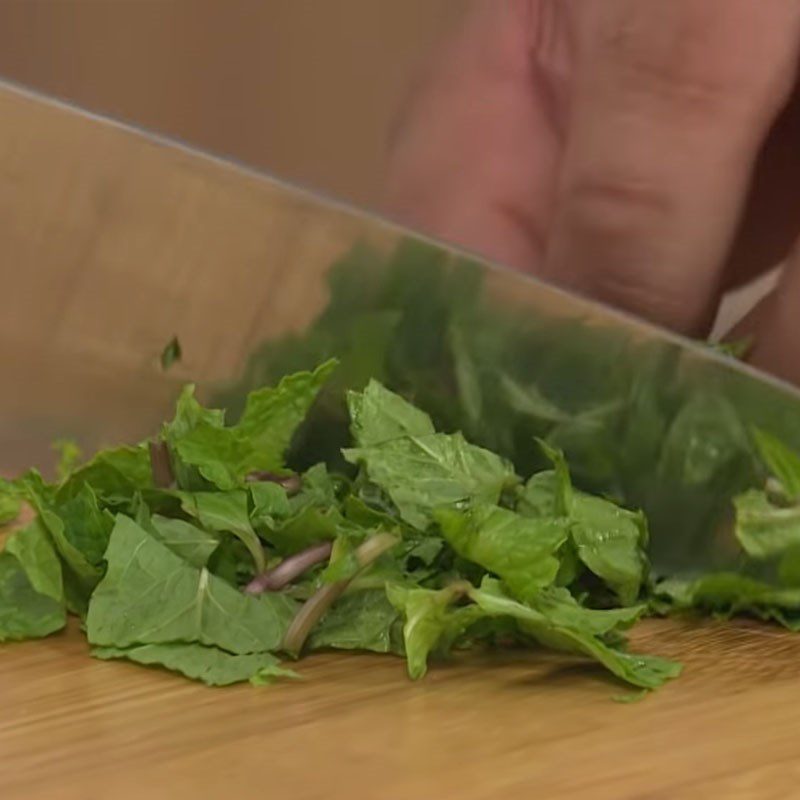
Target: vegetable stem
x=275 y=579
x=315 y=607
x=163 y=477
x=291 y=483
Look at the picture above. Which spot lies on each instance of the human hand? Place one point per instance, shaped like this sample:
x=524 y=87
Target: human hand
x=642 y=152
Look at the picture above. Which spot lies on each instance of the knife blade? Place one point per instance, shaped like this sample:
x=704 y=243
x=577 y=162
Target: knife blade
x=115 y=240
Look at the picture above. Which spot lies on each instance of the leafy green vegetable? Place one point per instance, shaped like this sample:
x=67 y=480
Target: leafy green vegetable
x=608 y=539
x=10 y=506
x=69 y=454
x=213 y=548
x=520 y=550
x=34 y=551
x=379 y=416
x=194 y=545
x=783 y=463
x=225 y=455
x=360 y=620
x=114 y=475
x=432 y=622
x=171 y=354
x=24 y=612
x=764 y=529
x=727 y=594
x=225 y=511
x=568 y=632
x=149 y=595
x=212 y=666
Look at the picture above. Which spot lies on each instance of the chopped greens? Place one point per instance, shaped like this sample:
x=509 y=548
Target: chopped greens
x=171 y=354
x=207 y=552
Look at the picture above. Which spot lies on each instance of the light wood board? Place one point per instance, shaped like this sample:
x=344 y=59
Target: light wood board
x=489 y=726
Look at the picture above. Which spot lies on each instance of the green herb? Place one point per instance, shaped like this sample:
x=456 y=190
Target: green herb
x=210 y=665
x=10 y=506
x=415 y=542
x=171 y=354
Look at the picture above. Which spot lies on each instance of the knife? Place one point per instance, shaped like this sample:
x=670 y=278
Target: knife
x=115 y=240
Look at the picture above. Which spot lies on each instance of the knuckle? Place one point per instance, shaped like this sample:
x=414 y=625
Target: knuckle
x=690 y=68
x=617 y=208
x=637 y=267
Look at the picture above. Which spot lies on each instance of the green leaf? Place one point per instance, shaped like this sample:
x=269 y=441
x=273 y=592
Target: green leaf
x=149 y=595
x=270 y=503
x=550 y=630
x=422 y=473
x=728 y=594
x=529 y=401
x=360 y=620
x=212 y=666
x=10 y=506
x=194 y=545
x=561 y=608
x=418 y=469
x=271 y=416
x=24 y=612
x=225 y=512
x=378 y=416
x=318 y=490
x=343 y=564
x=313 y=516
x=608 y=539
x=432 y=623
x=171 y=354
x=224 y=456
x=763 y=529
x=309 y=527
x=34 y=551
x=86 y=527
x=738 y=348
x=69 y=454
x=80 y=575
x=114 y=475
x=781 y=461
x=520 y=550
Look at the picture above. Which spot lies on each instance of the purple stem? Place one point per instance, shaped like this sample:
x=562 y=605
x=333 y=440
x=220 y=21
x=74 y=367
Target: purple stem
x=291 y=483
x=317 y=605
x=275 y=579
x=160 y=465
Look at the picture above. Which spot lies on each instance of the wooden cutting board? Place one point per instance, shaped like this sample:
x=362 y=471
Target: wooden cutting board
x=508 y=726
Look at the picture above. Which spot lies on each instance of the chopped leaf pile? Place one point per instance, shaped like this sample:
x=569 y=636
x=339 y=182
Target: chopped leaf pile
x=202 y=551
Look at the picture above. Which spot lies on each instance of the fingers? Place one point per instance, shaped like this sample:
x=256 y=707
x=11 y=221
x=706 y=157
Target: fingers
x=473 y=157
x=771 y=220
x=671 y=103
x=775 y=326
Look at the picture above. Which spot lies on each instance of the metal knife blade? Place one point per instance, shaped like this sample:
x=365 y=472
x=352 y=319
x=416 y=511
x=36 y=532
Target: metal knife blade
x=114 y=241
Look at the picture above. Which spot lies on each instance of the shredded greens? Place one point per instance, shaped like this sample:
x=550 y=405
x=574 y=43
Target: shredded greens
x=468 y=507
x=428 y=544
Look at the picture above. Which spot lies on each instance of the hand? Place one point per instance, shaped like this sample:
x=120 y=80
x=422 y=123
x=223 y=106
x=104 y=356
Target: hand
x=644 y=152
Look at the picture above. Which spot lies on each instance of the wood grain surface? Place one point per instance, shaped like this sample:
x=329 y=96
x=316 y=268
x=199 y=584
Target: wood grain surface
x=486 y=726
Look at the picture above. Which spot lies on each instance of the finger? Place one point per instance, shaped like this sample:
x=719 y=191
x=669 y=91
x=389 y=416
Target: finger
x=774 y=326
x=671 y=104
x=472 y=159
x=771 y=220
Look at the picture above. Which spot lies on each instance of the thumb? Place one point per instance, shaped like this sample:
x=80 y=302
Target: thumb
x=473 y=156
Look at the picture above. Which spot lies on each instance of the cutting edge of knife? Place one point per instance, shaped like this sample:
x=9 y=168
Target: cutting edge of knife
x=313 y=194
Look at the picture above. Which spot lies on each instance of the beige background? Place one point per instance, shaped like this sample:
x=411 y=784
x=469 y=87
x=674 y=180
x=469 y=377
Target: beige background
x=305 y=88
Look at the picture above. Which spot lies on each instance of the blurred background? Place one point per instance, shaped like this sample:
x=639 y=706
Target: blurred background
x=303 y=88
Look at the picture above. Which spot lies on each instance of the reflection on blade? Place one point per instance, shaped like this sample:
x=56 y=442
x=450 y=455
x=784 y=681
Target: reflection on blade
x=646 y=420
x=117 y=242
